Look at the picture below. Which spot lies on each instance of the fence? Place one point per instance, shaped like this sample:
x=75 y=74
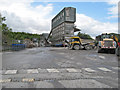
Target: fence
x=17 y=47
x=13 y=47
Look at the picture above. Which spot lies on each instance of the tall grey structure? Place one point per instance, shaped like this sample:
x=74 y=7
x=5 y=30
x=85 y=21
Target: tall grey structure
x=63 y=25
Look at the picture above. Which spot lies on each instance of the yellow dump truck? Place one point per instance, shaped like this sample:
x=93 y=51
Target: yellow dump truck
x=75 y=43
x=116 y=38
x=106 y=43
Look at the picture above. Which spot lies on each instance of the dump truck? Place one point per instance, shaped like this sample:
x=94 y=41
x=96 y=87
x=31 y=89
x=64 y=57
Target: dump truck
x=118 y=49
x=106 y=43
x=116 y=38
x=75 y=43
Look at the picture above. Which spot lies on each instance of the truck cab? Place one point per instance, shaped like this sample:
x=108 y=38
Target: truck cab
x=106 y=43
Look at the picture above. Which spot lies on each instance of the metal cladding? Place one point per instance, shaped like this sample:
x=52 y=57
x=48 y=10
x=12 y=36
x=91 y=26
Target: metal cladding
x=68 y=14
x=63 y=25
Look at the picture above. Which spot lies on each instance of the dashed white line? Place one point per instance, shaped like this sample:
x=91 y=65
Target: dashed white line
x=28 y=80
x=11 y=72
x=104 y=69
x=5 y=80
x=35 y=71
x=32 y=71
x=102 y=57
x=52 y=70
x=89 y=70
x=71 y=70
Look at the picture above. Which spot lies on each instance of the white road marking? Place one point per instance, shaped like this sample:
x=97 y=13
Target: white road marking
x=98 y=77
x=28 y=80
x=115 y=68
x=5 y=80
x=32 y=49
x=32 y=71
x=89 y=70
x=11 y=72
x=52 y=70
x=102 y=57
x=71 y=70
x=104 y=69
x=42 y=70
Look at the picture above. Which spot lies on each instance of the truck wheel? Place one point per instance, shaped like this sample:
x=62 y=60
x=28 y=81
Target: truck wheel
x=76 y=47
x=99 y=50
x=88 y=47
x=117 y=51
x=69 y=47
x=113 y=51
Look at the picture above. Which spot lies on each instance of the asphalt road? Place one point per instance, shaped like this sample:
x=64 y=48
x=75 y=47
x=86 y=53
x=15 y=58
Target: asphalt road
x=48 y=67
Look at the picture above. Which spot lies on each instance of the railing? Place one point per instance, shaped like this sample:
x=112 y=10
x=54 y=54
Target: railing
x=6 y=47
x=17 y=47
x=13 y=47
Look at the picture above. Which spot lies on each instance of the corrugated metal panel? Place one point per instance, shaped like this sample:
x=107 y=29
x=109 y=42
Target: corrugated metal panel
x=68 y=14
x=63 y=25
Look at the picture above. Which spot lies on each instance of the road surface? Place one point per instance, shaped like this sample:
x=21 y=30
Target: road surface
x=54 y=67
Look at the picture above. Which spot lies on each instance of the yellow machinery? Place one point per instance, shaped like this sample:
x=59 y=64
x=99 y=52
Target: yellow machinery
x=76 y=44
x=106 y=43
x=116 y=37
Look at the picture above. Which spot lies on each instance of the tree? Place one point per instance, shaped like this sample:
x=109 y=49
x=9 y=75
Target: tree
x=84 y=36
x=8 y=36
x=0 y=32
x=6 y=32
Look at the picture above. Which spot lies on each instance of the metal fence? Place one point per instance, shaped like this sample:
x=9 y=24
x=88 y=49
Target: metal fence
x=6 y=47
x=13 y=47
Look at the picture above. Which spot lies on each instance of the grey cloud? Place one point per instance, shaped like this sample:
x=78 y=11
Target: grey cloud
x=19 y=25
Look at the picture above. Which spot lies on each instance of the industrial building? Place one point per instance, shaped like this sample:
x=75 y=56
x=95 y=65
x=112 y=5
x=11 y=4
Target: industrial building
x=63 y=25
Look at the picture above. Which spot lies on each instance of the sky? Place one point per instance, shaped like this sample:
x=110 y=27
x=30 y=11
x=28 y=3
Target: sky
x=34 y=16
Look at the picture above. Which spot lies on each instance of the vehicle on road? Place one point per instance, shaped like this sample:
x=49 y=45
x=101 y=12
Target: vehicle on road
x=75 y=43
x=106 y=43
x=116 y=38
x=118 y=49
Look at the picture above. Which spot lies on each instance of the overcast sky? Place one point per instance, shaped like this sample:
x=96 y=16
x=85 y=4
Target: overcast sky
x=30 y=16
